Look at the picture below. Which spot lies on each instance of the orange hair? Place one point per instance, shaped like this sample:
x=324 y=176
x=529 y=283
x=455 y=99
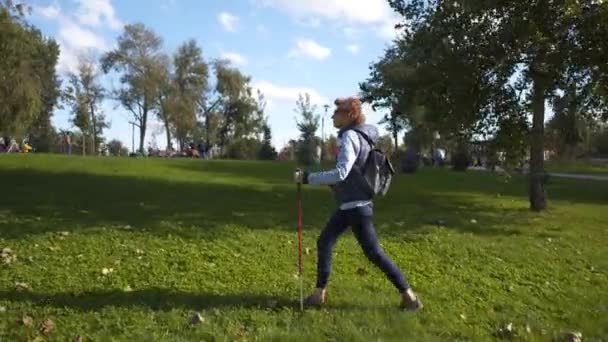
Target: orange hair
x=352 y=106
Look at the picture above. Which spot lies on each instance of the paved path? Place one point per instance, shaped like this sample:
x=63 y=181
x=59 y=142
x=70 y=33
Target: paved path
x=579 y=176
x=561 y=175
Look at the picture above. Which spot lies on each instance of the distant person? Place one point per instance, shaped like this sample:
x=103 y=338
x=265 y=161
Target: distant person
x=13 y=147
x=26 y=148
x=355 y=209
x=67 y=143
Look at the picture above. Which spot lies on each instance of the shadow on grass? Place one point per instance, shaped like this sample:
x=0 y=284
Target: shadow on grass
x=157 y=299
x=35 y=202
x=427 y=180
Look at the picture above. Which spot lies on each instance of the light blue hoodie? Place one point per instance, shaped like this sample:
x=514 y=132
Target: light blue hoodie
x=346 y=178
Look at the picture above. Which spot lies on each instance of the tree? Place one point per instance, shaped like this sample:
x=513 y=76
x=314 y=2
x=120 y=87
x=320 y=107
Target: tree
x=190 y=80
x=308 y=127
x=267 y=151
x=20 y=88
x=395 y=123
x=137 y=58
x=84 y=94
x=240 y=111
x=42 y=134
x=116 y=147
x=477 y=48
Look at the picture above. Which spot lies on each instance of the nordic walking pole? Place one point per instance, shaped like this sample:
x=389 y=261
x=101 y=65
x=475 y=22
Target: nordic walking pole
x=301 y=276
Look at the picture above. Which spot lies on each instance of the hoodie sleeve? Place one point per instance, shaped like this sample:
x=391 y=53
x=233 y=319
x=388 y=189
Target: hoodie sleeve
x=349 y=150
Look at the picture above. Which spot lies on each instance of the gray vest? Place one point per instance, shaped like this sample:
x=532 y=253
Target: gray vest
x=351 y=190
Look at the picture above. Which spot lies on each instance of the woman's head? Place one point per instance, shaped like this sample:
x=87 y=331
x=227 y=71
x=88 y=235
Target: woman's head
x=348 y=111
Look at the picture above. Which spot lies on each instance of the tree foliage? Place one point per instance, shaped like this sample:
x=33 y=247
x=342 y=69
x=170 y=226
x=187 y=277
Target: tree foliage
x=28 y=82
x=308 y=124
x=475 y=67
x=138 y=59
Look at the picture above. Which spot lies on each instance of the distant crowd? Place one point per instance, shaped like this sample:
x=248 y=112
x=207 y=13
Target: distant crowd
x=10 y=145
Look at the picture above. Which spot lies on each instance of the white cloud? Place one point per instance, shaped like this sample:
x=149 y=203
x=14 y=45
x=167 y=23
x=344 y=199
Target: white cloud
x=95 y=12
x=50 y=12
x=353 y=48
x=81 y=38
x=235 y=58
x=276 y=93
x=74 y=36
x=228 y=21
x=373 y=14
x=388 y=30
x=310 y=48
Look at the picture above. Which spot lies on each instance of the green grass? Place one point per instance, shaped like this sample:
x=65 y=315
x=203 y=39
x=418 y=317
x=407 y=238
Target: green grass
x=579 y=167
x=219 y=238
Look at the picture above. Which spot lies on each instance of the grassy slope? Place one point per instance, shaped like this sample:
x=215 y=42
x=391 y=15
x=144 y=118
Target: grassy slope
x=579 y=167
x=219 y=238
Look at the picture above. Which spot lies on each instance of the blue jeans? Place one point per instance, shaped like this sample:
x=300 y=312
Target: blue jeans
x=361 y=222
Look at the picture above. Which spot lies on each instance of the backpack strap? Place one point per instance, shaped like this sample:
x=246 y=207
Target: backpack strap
x=365 y=136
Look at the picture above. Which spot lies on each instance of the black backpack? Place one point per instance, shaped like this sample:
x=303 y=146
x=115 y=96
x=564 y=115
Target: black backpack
x=377 y=171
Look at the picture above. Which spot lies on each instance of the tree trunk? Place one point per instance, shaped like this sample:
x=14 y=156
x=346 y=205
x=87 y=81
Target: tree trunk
x=537 y=193
x=142 y=130
x=84 y=147
x=165 y=118
x=94 y=122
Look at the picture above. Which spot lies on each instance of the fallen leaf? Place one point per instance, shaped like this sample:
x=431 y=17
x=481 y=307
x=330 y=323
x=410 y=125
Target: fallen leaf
x=196 y=318
x=47 y=327
x=106 y=271
x=28 y=321
x=473 y=221
x=78 y=338
x=19 y=286
x=64 y=233
x=84 y=211
x=2 y=309
x=463 y=316
x=572 y=336
x=307 y=251
x=528 y=329
x=127 y=288
x=505 y=332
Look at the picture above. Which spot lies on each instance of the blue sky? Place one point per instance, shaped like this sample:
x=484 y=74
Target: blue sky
x=322 y=47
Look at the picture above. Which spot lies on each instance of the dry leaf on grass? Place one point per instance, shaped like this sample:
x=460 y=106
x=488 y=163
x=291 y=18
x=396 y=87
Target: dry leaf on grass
x=47 y=327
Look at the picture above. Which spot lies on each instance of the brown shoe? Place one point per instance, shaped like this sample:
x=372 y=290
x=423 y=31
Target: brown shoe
x=410 y=302
x=317 y=298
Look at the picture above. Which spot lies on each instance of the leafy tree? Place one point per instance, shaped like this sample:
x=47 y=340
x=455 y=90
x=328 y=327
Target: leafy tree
x=190 y=80
x=308 y=126
x=137 y=58
x=84 y=94
x=267 y=151
x=470 y=52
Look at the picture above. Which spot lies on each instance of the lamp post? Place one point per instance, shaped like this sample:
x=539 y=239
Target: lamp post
x=132 y=136
x=323 y=132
